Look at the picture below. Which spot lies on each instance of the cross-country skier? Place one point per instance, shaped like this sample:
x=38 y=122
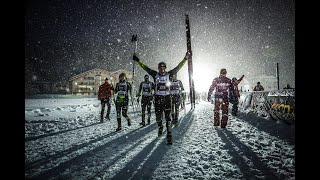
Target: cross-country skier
x=105 y=93
x=234 y=95
x=221 y=85
x=162 y=95
x=176 y=88
x=147 y=89
x=122 y=89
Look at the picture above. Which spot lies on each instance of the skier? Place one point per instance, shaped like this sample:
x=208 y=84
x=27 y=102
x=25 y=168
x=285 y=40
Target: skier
x=147 y=88
x=183 y=99
x=105 y=93
x=122 y=89
x=234 y=95
x=176 y=88
x=221 y=85
x=162 y=95
x=258 y=87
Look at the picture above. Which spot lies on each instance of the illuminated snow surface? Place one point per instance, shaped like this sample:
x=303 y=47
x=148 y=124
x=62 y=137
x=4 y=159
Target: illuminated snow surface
x=64 y=139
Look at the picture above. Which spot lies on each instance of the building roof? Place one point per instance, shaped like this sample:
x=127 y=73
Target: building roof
x=98 y=69
x=86 y=72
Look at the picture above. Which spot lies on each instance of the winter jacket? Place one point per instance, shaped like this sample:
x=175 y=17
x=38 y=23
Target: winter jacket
x=161 y=80
x=221 y=85
x=105 y=90
x=234 y=93
x=258 y=88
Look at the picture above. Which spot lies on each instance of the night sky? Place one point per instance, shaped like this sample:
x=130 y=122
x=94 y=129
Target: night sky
x=65 y=38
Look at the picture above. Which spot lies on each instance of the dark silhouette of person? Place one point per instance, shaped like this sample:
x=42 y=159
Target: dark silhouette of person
x=162 y=96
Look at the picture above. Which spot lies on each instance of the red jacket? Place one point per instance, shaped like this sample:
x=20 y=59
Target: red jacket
x=221 y=86
x=105 y=91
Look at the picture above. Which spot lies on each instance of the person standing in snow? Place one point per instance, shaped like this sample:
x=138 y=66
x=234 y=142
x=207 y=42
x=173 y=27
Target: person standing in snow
x=176 y=88
x=234 y=95
x=162 y=95
x=183 y=99
x=258 y=87
x=221 y=85
x=147 y=88
x=122 y=89
x=105 y=93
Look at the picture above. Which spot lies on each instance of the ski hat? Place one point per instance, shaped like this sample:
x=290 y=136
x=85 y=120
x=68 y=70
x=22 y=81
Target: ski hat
x=106 y=79
x=258 y=82
x=122 y=74
x=146 y=76
x=223 y=71
x=162 y=64
x=234 y=79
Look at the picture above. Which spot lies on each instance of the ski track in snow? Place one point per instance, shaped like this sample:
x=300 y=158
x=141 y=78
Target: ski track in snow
x=90 y=150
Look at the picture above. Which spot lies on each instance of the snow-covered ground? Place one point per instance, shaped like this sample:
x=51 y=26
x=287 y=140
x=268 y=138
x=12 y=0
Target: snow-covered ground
x=64 y=140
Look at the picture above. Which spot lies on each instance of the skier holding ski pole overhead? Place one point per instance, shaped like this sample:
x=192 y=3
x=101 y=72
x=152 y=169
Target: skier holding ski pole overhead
x=162 y=94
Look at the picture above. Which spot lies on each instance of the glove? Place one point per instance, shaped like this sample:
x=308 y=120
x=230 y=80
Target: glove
x=209 y=98
x=135 y=58
x=187 y=56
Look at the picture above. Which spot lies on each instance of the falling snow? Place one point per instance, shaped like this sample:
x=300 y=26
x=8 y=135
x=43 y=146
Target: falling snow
x=62 y=33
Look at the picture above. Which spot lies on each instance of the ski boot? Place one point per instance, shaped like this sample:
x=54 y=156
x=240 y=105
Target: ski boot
x=129 y=122
x=119 y=125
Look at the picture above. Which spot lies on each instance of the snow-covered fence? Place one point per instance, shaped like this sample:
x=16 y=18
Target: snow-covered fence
x=278 y=104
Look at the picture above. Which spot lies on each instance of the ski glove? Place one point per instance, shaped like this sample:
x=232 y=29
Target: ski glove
x=209 y=98
x=187 y=56
x=135 y=58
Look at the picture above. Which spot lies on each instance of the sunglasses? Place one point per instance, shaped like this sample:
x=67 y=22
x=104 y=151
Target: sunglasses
x=163 y=66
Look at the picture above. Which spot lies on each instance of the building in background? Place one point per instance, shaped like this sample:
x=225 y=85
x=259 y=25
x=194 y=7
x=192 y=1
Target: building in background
x=87 y=83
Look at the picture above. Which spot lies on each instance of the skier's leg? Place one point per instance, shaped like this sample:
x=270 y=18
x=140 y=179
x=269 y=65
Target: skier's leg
x=143 y=110
x=102 y=110
x=149 y=110
x=118 y=109
x=216 y=121
x=124 y=111
x=168 y=119
x=236 y=107
x=177 y=109
x=159 y=111
x=108 y=110
x=224 y=107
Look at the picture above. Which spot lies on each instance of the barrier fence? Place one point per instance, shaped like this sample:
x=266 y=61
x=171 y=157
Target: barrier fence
x=278 y=104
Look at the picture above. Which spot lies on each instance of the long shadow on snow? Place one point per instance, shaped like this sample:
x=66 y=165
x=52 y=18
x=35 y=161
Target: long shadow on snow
x=55 y=133
x=281 y=130
x=237 y=157
x=47 y=159
x=147 y=169
x=102 y=152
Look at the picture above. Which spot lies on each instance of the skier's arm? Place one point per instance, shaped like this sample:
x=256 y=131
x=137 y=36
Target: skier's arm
x=213 y=85
x=99 y=92
x=239 y=80
x=179 y=66
x=144 y=67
